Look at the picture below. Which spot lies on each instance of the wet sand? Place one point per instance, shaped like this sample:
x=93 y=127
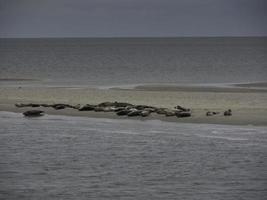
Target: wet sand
x=249 y=107
x=224 y=88
x=253 y=85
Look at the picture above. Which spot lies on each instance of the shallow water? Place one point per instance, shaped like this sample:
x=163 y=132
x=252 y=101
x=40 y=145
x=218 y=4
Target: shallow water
x=57 y=157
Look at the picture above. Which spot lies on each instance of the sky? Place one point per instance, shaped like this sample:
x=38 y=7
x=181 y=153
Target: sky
x=132 y=18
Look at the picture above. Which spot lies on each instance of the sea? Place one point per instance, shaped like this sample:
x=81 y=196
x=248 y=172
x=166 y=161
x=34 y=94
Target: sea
x=64 y=157
x=60 y=157
x=130 y=61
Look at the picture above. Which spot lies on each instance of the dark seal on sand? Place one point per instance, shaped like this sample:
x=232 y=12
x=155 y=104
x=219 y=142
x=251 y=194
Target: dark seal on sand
x=183 y=114
x=182 y=108
x=87 y=107
x=211 y=113
x=33 y=113
x=228 y=112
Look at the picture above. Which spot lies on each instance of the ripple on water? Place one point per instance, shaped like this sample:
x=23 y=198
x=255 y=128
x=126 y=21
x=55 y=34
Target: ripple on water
x=56 y=157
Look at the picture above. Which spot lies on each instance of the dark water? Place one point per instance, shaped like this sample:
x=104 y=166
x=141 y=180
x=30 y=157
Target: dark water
x=56 y=157
x=135 y=61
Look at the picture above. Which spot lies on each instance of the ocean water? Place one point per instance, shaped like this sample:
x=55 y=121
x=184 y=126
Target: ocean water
x=57 y=157
x=125 y=61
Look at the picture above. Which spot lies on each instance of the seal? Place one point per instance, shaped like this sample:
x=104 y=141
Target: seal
x=228 y=112
x=33 y=113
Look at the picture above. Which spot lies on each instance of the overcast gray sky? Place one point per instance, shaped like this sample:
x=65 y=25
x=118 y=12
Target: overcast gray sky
x=132 y=18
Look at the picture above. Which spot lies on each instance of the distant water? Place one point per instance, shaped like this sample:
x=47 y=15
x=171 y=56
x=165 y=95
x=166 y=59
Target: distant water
x=56 y=157
x=135 y=61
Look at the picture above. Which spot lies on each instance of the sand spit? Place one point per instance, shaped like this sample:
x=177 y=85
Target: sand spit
x=249 y=108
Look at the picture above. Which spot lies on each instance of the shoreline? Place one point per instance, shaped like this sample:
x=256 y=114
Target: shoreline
x=234 y=88
x=198 y=116
x=249 y=107
x=260 y=86
x=153 y=117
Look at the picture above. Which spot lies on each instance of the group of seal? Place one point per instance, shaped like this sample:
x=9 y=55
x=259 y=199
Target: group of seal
x=120 y=108
x=225 y=113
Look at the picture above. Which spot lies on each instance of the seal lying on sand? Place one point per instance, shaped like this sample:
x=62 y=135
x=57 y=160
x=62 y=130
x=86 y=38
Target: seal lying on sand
x=227 y=112
x=21 y=105
x=211 y=113
x=183 y=114
x=33 y=113
x=182 y=108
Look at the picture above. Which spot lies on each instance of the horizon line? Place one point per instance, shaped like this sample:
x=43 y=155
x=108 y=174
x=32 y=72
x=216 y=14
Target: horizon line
x=134 y=37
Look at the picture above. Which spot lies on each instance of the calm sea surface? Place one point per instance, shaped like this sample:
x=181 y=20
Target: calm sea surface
x=56 y=157
x=135 y=61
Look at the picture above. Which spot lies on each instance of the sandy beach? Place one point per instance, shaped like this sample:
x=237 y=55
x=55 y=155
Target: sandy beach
x=249 y=104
